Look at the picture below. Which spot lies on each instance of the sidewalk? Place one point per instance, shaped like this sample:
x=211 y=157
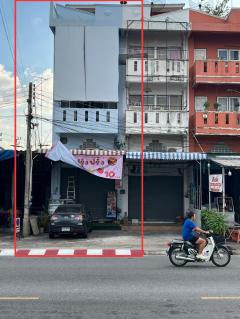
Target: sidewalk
x=155 y=243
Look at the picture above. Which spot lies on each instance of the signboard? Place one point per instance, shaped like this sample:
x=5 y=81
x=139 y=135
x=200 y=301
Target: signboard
x=111 y=205
x=215 y=183
x=102 y=166
x=17 y=225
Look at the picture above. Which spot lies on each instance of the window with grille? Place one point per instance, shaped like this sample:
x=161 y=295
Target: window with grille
x=199 y=103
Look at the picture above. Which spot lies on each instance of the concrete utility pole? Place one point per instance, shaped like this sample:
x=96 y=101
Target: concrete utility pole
x=28 y=167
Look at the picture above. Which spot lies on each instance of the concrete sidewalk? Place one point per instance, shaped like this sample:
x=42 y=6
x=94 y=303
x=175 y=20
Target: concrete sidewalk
x=155 y=243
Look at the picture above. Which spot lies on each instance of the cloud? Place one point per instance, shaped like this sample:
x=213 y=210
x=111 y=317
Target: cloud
x=44 y=98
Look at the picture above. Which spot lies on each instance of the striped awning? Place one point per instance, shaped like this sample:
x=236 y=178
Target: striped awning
x=181 y=156
x=89 y=152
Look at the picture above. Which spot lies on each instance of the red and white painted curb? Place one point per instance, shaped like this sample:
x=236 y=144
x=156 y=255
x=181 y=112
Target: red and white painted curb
x=72 y=252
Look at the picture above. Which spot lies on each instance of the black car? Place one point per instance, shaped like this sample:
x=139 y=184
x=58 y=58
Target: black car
x=70 y=219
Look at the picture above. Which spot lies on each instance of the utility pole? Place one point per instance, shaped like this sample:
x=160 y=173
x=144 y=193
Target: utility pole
x=28 y=166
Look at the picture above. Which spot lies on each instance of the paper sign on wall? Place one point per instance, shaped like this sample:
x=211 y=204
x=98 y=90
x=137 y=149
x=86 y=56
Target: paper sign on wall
x=215 y=183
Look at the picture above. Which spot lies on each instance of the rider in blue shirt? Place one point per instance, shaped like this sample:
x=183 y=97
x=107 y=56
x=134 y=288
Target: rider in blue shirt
x=190 y=232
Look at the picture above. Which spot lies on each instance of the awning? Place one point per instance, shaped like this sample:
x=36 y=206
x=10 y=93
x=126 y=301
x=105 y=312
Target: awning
x=227 y=161
x=6 y=154
x=89 y=152
x=172 y=156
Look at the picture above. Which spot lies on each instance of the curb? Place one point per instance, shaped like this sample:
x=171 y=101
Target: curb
x=71 y=253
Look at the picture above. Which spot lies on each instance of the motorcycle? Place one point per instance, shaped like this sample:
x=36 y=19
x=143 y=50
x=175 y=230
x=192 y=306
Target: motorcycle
x=181 y=252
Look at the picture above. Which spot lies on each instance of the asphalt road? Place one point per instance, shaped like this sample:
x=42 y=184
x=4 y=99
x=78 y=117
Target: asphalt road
x=117 y=288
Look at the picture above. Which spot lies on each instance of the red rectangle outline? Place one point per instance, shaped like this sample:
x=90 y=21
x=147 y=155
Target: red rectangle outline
x=15 y=130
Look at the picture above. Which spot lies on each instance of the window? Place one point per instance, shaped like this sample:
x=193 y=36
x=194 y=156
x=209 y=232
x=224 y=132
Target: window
x=149 y=100
x=135 y=117
x=146 y=66
x=135 y=100
x=223 y=103
x=175 y=102
x=174 y=53
x=149 y=52
x=108 y=117
x=75 y=116
x=135 y=66
x=199 y=103
x=227 y=118
x=161 y=53
x=223 y=54
x=234 y=54
x=63 y=140
x=86 y=116
x=162 y=101
x=146 y=117
x=157 y=117
x=200 y=54
x=97 y=116
x=64 y=115
x=234 y=103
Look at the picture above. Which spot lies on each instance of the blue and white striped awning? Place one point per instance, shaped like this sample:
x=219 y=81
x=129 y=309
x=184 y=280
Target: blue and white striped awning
x=172 y=156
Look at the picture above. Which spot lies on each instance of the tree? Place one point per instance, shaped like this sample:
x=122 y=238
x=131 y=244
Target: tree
x=220 y=9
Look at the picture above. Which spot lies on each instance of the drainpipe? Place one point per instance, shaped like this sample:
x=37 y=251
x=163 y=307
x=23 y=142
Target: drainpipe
x=209 y=192
x=223 y=188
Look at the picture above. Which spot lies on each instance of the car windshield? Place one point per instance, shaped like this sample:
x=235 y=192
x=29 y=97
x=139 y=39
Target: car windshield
x=69 y=209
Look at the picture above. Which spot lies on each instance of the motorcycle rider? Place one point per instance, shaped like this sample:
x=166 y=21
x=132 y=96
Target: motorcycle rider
x=190 y=232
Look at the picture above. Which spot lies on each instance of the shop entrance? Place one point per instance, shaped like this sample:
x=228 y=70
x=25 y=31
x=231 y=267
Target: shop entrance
x=163 y=198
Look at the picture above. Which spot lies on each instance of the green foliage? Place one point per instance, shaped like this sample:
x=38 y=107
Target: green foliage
x=214 y=221
x=220 y=9
x=43 y=221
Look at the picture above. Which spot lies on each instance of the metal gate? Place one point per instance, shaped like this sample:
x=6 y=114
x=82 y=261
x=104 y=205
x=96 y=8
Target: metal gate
x=89 y=190
x=163 y=197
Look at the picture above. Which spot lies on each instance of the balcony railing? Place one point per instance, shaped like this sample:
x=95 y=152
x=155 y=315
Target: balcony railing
x=157 y=122
x=215 y=71
x=157 y=70
x=147 y=107
x=217 y=123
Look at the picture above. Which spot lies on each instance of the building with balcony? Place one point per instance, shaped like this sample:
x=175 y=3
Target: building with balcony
x=214 y=86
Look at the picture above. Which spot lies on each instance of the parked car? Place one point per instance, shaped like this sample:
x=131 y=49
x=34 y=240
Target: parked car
x=74 y=219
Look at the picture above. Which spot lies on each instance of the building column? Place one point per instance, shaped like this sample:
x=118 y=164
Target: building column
x=122 y=193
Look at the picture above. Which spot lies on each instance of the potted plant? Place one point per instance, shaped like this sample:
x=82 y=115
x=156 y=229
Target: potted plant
x=43 y=221
x=206 y=105
x=217 y=106
x=214 y=221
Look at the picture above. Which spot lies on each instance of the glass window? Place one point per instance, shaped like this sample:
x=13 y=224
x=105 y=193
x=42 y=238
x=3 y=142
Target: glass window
x=223 y=103
x=199 y=103
x=223 y=54
x=161 y=53
x=135 y=117
x=234 y=103
x=64 y=115
x=175 y=102
x=135 y=66
x=149 y=100
x=75 y=116
x=97 y=116
x=162 y=101
x=134 y=100
x=108 y=116
x=200 y=54
x=149 y=52
x=174 y=53
x=234 y=55
x=86 y=116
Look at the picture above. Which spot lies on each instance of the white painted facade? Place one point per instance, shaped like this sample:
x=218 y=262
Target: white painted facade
x=92 y=66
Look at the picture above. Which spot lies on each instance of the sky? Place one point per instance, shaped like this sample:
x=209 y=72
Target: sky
x=35 y=63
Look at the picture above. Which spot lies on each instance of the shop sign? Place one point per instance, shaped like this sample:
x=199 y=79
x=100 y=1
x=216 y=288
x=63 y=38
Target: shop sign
x=215 y=183
x=102 y=166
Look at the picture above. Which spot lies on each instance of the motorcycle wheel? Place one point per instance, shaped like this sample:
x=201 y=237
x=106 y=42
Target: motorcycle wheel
x=221 y=256
x=172 y=257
